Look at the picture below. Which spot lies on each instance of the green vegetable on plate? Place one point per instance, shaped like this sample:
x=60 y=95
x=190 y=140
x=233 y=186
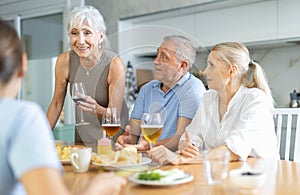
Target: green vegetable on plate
x=161 y=175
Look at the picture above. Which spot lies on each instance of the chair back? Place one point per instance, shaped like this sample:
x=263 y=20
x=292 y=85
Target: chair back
x=287 y=123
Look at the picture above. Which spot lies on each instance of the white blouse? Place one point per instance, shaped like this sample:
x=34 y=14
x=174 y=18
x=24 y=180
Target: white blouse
x=247 y=127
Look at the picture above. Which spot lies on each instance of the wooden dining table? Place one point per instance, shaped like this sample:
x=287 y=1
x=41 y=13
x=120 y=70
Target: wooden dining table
x=283 y=177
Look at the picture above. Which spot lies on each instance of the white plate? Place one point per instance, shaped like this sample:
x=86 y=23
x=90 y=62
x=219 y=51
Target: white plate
x=187 y=178
x=144 y=161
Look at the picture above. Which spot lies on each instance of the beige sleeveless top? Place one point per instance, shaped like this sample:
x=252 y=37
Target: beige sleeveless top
x=96 y=86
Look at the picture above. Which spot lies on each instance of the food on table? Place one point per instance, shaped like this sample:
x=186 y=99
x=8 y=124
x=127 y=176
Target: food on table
x=63 y=152
x=250 y=173
x=161 y=175
x=127 y=155
x=247 y=181
x=149 y=175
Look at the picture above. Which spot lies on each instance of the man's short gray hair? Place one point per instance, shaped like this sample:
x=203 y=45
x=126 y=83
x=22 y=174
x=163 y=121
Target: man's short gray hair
x=184 y=48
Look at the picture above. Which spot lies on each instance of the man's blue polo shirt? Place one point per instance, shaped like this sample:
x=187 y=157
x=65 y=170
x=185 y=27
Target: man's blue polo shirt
x=182 y=100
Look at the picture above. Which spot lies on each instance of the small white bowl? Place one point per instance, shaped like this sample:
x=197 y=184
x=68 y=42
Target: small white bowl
x=247 y=180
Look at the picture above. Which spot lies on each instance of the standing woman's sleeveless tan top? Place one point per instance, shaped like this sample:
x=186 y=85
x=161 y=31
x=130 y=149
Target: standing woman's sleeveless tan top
x=95 y=81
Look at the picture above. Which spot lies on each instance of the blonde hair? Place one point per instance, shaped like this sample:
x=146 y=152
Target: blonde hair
x=251 y=72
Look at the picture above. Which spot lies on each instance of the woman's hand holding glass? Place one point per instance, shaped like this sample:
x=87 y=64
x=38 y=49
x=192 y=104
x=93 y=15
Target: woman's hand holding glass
x=89 y=105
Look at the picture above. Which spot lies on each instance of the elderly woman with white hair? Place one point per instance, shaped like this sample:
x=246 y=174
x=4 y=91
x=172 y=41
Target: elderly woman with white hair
x=101 y=71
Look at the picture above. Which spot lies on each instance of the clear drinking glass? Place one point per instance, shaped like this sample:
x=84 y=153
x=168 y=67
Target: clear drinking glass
x=151 y=125
x=216 y=166
x=111 y=122
x=78 y=94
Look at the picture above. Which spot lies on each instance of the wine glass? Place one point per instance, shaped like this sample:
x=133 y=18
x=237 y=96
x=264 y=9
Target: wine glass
x=151 y=125
x=78 y=94
x=111 y=122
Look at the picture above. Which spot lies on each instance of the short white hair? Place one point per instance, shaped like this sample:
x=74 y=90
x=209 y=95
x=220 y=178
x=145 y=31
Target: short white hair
x=87 y=14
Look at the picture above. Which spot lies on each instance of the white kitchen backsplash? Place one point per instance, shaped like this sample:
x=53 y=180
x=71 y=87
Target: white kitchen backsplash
x=282 y=67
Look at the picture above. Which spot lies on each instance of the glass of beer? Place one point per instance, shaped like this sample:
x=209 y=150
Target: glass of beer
x=111 y=122
x=151 y=125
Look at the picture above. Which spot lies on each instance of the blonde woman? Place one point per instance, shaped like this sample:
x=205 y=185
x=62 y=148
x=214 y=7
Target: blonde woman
x=235 y=114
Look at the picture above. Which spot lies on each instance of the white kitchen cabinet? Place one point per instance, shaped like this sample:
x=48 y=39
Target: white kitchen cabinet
x=246 y=23
x=288 y=19
x=146 y=36
x=253 y=22
x=181 y=24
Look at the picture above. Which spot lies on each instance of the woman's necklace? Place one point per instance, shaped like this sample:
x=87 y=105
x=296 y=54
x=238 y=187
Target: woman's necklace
x=88 y=69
